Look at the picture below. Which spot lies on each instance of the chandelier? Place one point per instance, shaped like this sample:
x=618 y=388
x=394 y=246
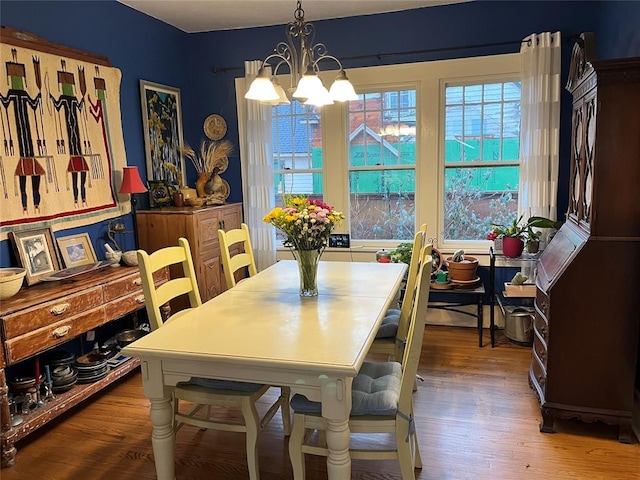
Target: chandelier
x=302 y=57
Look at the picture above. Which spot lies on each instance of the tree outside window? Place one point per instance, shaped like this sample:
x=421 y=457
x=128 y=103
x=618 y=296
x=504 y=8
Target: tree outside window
x=481 y=157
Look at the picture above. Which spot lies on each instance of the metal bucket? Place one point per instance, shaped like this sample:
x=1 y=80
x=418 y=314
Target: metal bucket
x=518 y=324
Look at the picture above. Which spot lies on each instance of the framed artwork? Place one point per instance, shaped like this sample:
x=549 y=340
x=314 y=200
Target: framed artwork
x=159 y=194
x=36 y=252
x=162 y=128
x=77 y=250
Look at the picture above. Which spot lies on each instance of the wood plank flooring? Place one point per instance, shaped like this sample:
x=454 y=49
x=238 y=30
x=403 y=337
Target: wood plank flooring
x=475 y=414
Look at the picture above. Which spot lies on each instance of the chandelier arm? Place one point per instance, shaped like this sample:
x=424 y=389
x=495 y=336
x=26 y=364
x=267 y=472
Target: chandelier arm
x=302 y=55
x=325 y=57
x=280 y=58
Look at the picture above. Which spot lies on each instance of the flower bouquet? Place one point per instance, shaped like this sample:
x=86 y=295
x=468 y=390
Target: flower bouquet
x=306 y=224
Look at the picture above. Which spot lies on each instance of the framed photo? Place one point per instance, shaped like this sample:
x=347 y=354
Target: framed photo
x=159 y=195
x=162 y=129
x=36 y=252
x=77 y=250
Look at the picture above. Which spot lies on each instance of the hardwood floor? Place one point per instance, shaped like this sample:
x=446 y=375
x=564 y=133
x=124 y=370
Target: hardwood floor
x=475 y=415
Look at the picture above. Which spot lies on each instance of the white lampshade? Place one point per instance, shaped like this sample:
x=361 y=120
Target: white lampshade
x=282 y=95
x=262 y=89
x=308 y=85
x=319 y=97
x=342 y=90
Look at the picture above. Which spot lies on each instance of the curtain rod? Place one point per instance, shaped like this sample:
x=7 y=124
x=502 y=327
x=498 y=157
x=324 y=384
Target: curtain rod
x=380 y=56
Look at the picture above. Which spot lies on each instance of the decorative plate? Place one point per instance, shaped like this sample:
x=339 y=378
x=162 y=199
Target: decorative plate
x=222 y=163
x=215 y=127
x=226 y=189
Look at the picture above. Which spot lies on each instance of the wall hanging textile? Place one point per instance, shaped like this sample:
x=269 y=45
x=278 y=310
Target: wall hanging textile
x=62 y=135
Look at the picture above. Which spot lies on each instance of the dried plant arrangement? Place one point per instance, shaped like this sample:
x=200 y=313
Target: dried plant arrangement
x=211 y=155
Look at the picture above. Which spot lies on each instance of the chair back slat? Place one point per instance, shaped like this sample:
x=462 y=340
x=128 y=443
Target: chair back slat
x=410 y=289
x=156 y=297
x=230 y=240
x=411 y=356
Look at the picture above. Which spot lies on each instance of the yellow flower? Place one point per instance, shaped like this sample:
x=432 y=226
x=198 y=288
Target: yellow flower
x=305 y=224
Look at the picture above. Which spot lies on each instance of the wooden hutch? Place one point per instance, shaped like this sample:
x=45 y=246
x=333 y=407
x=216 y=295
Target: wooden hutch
x=587 y=306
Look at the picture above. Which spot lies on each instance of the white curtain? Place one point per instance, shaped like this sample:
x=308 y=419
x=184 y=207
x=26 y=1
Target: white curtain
x=539 y=137
x=257 y=175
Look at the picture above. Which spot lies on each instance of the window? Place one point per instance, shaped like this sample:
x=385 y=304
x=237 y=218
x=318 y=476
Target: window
x=481 y=157
x=297 y=150
x=432 y=142
x=382 y=158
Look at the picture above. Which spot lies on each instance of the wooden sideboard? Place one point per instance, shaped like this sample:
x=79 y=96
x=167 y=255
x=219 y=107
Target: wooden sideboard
x=162 y=227
x=49 y=314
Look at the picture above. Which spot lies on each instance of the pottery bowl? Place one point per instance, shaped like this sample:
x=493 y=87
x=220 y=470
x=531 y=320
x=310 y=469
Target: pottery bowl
x=114 y=257
x=126 y=337
x=195 y=202
x=130 y=258
x=11 y=281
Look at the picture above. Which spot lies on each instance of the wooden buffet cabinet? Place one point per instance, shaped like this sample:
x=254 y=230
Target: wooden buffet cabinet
x=162 y=227
x=49 y=314
x=587 y=306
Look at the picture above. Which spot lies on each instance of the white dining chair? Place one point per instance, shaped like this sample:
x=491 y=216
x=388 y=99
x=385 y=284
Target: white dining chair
x=382 y=401
x=204 y=393
x=236 y=253
x=393 y=330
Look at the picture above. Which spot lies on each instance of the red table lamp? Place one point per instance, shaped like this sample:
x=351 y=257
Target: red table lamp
x=132 y=184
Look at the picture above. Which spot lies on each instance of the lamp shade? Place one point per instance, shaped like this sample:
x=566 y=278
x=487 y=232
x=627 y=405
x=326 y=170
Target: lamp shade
x=131 y=181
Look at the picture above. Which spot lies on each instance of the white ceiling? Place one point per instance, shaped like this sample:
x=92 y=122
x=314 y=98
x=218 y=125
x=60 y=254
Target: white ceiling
x=194 y=16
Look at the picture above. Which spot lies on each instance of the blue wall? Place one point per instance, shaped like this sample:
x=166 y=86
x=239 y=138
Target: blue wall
x=145 y=48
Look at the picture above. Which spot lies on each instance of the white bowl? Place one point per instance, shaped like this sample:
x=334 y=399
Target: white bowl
x=114 y=257
x=11 y=281
x=130 y=258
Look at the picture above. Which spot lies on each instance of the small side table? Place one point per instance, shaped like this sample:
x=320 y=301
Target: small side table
x=526 y=260
x=454 y=298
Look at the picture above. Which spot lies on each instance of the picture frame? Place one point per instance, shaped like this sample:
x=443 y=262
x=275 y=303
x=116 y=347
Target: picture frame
x=76 y=250
x=36 y=253
x=159 y=194
x=162 y=131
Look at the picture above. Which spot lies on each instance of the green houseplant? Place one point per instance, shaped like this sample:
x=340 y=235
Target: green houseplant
x=402 y=253
x=515 y=235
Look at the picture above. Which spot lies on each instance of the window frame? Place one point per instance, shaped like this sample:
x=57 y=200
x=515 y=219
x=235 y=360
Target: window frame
x=429 y=80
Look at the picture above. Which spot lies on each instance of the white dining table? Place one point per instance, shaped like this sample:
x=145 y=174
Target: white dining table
x=262 y=331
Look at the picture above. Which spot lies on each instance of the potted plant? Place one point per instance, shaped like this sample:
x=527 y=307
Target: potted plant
x=461 y=267
x=515 y=235
x=402 y=253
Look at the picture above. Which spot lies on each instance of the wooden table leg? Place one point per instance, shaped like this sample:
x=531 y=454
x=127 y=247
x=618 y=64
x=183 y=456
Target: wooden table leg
x=163 y=438
x=336 y=408
x=6 y=431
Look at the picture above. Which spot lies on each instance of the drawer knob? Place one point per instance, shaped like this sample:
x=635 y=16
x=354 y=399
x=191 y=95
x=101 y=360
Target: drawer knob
x=140 y=299
x=61 y=331
x=59 y=309
x=137 y=282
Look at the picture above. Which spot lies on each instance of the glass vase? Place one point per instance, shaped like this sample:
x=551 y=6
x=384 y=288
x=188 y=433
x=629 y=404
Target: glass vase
x=308 y=268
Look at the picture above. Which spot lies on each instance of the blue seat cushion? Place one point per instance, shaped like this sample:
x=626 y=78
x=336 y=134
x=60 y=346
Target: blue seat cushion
x=389 y=326
x=225 y=384
x=375 y=391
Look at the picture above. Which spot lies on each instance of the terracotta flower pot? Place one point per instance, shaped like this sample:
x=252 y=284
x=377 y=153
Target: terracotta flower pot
x=512 y=247
x=463 y=271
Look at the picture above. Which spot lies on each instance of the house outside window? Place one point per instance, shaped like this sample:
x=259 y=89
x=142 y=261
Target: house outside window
x=382 y=158
x=297 y=150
